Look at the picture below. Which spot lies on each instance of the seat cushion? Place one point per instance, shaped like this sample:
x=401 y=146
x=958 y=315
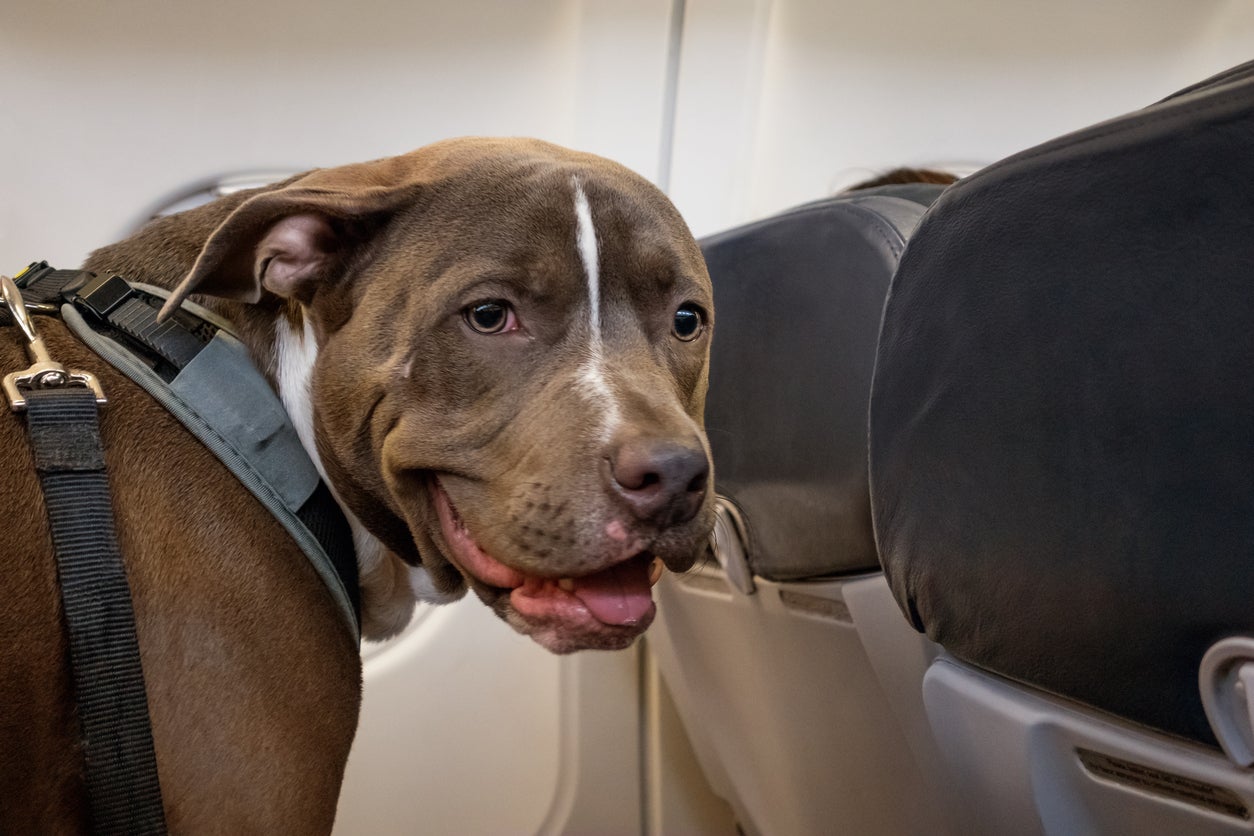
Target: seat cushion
x=798 y=299
x=1062 y=421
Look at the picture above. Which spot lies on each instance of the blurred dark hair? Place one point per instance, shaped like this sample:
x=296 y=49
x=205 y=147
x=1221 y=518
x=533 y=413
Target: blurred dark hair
x=901 y=176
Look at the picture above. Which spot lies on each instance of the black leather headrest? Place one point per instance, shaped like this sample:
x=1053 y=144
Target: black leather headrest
x=799 y=298
x=1062 y=420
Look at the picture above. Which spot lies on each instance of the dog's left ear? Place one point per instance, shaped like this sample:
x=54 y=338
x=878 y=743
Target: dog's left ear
x=289 y=239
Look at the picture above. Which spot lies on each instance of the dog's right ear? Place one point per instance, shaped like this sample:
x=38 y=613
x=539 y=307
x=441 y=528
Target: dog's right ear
x=288 y=240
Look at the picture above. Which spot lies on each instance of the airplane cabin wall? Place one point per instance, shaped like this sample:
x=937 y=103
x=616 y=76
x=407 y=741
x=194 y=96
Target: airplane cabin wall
x=107 y=107
x=739 y=107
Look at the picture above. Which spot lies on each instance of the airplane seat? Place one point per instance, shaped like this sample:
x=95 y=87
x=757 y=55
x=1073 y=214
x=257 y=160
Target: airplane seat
x=1062 y=472
x=793 y=673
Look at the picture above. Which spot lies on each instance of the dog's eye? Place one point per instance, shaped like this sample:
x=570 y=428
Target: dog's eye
x=688 y=322
x=491 y=317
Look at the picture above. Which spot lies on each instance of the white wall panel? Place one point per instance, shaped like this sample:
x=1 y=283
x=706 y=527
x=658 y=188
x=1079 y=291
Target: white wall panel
x=783 y=101
x=105 y=107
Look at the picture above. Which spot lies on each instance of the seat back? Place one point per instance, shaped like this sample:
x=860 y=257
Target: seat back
x=1062 y=428
x=798 y=299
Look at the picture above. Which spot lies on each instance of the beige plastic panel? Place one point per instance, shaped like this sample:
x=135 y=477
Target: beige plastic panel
x=678 y=798
x=460 y=731
x=467 y=728
x=792 y=722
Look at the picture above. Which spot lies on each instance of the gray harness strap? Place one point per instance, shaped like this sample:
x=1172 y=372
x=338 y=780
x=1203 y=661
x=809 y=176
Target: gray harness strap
x=225 y=402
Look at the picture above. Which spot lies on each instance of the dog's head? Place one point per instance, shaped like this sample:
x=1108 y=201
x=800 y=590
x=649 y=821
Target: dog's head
x=512 y=355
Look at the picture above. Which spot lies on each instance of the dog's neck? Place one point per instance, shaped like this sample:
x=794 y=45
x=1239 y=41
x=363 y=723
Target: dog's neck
x=387 y=603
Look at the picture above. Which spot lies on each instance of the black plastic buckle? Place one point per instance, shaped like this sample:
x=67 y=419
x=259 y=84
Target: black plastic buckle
x=132 y=314
x=101 y=295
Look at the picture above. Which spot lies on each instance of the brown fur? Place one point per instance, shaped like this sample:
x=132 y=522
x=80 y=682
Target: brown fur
x=253 y=682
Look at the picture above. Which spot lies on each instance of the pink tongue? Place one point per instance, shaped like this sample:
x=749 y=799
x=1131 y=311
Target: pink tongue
x=618 y=595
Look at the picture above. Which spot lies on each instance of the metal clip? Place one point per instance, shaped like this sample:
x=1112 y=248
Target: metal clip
x=44 y=373
x=727 y=541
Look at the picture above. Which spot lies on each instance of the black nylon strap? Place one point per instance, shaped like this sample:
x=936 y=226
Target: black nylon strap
x=321 y=514
x=43 y=284
x=121 y=766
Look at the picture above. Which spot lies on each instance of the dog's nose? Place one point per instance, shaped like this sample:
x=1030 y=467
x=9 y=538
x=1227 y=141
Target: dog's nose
x=663 y=481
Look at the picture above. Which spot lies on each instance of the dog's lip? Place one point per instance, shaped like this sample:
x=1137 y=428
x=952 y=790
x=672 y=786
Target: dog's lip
x=485 y=568
x=613 y=598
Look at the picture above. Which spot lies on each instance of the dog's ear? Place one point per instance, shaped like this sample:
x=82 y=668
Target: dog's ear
x=287 y=240
x=294 y=254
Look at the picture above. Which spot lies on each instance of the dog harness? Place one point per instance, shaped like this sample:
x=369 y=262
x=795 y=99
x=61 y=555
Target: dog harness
x=201 y=373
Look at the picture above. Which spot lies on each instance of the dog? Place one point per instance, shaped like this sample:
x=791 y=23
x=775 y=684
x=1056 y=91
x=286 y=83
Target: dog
x=495 y=352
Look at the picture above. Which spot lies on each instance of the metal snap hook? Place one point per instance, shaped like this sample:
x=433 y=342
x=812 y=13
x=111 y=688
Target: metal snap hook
x=44 y=372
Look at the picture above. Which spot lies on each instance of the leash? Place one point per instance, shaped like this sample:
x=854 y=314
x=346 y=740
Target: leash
x=62 y=420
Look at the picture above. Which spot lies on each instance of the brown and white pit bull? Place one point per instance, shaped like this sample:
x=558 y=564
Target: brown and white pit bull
x=496 y=352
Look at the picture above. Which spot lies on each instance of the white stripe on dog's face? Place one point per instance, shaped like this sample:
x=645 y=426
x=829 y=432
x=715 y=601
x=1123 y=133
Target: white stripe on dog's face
x=592 y=371
x=586 y=242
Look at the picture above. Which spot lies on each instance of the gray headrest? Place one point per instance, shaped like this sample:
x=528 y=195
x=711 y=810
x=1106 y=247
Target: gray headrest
x=798 y=300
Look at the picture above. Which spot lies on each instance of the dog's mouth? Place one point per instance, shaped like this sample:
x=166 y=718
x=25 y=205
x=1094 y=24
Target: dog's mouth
x=606 y=609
